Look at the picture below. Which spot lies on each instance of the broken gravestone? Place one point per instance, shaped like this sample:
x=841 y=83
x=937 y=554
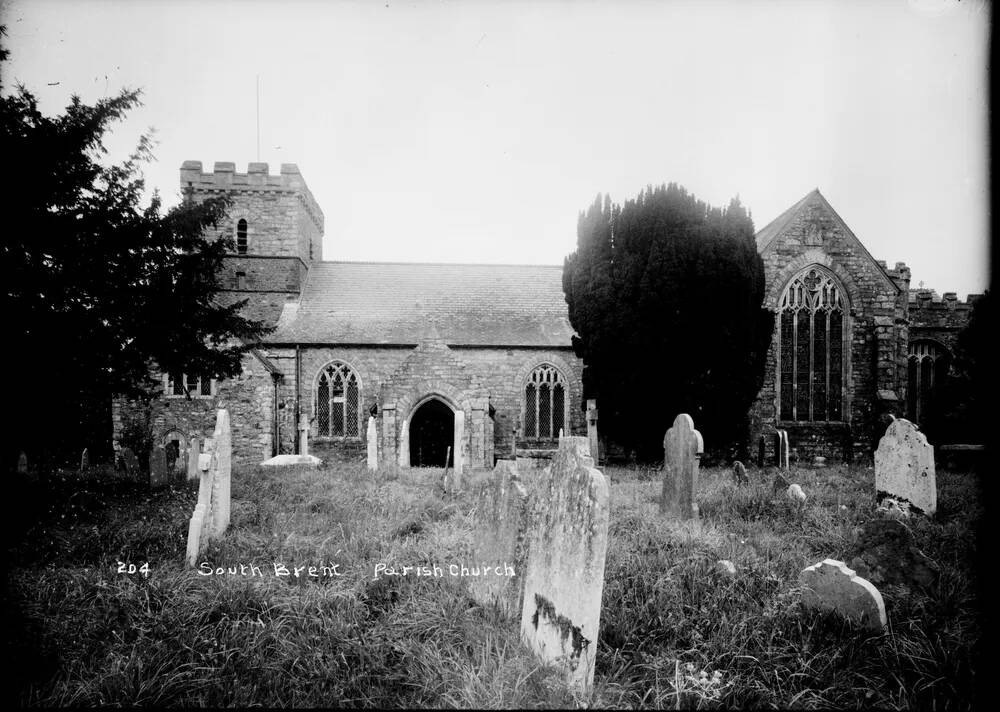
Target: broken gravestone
x=682 y=449
x=501 y=539
x=211 y=515
x=886 y=555
x=904 y=467
x=831 y=586
x=564 y=578
x=740 y=473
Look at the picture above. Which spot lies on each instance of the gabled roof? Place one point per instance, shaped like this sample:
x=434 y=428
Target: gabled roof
x=766 y=236
x=390 y=303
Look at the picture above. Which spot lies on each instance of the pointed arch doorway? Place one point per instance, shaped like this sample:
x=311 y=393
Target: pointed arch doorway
x=432 y=433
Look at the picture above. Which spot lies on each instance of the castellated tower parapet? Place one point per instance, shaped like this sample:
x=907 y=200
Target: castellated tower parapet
x=276 y=226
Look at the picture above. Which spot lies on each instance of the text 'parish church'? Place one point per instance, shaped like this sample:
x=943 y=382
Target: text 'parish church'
x=473 y=359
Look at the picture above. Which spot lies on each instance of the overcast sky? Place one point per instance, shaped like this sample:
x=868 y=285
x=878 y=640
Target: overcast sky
x=477 y=131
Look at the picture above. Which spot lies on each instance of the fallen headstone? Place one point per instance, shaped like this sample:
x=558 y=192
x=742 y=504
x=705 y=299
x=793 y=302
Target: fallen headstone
x=288 y=459
x=682 y=449
x=501 y=539
x=904 y=467
x=886 y=554
x=564 y=579
x=831 y=586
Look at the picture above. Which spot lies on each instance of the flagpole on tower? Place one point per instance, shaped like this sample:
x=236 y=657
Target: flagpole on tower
x=258 y=118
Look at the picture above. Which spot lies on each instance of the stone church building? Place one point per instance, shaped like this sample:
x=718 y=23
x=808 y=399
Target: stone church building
x=476 y=360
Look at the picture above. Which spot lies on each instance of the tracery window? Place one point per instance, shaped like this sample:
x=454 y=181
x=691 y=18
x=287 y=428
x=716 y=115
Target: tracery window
x=338 y=396
x=241 y=236
x=928 y=365
x=812 y=348
x=544 y=403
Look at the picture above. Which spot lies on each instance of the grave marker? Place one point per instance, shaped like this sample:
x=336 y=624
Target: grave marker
x=592 y=440
x=372 y=438
x=831 y=586
x=904 y=467
x=193 y=471
x=501 y=539
x=682 y=449
x=740 y=473
x=22 y=462
x=303 y=434
x=131 y=462
x=211 y=515
x=564 y=579
x=158 y=467
x=783 y=450
x=84 y=460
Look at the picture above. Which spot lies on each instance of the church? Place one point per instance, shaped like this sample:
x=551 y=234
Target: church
x=472 y=362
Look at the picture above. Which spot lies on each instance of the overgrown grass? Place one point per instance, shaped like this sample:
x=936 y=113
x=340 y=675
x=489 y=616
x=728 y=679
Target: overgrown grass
x=674 y=633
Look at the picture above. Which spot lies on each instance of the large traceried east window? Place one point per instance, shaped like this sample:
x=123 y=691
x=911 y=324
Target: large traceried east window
x=812 y=343
x=544 y=403
x=928 y=365
x=338 y=398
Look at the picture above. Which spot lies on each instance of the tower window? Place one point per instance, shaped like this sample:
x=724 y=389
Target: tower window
x=241 y=237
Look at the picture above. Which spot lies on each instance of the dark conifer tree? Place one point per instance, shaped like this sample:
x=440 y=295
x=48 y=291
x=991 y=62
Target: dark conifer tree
x=665 y=295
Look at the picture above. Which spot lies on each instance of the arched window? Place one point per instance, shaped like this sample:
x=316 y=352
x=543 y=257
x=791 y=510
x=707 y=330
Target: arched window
x=812 y=343
x=928 y=365
x=241 y=236
x=544 y=403
x=337 y=402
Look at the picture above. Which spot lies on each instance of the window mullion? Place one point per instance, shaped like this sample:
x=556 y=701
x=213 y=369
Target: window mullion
x=795 y=363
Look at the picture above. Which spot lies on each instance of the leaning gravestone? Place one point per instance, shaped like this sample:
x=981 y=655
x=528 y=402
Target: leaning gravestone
x=84 y=460
x=886 y=554
x=211 y=515
x=22 y=462
x=682 y=449
x=831 y=586
x=372 y=437
x=904 y=467
x=564 y=578
x=158 y=476
x=501 y=539
x=740 y=473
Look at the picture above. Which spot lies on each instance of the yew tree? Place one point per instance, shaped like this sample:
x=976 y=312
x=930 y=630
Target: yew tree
x=665 y=294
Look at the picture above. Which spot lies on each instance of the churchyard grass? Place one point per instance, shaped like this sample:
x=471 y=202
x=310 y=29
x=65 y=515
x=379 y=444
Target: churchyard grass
x=674 y=632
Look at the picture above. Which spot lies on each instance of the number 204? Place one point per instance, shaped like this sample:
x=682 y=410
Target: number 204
x=124 y=568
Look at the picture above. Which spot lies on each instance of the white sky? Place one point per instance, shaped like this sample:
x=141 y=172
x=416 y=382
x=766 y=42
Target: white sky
x=477 y=131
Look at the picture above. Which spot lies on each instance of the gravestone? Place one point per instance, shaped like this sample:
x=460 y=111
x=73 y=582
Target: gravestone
x=781 y=484
x=501 y=539
x=131 y=463
x=372 y=437
x=682 y=449
x=740 y=473
x=84 y=460
x=193 y=472
x=564 y=578
x=831 y=586
x=904 y=467
x=795 y=493
x=886 y=554
x=592 y=430
x=211 y=515
x=158 y=476
x=303 y=434
x=783 y=450
x=22 y=462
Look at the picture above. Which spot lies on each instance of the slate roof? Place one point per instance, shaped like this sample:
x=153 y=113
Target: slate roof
x=390 y=303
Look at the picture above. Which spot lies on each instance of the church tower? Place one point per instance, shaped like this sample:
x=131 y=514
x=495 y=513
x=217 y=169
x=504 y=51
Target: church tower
x=276 y=227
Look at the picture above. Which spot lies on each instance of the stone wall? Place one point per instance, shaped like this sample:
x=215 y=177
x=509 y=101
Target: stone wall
x=939 y=318
x=249 y=397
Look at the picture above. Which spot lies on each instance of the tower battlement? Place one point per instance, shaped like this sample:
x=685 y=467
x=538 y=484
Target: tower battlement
x=224 y=178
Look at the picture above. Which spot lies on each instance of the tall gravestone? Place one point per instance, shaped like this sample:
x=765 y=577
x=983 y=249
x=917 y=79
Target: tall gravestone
x=372 y=437
x=564 y=578
x=501 y=539
x=211 y=515
x=740 y=473
x=303 y=434
x=22 y=462
x=784 y=450
x=682 y=449
x=194 y=451
x=84 y=460
x=158 y=467
x=904 y=467
x=592 y=440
